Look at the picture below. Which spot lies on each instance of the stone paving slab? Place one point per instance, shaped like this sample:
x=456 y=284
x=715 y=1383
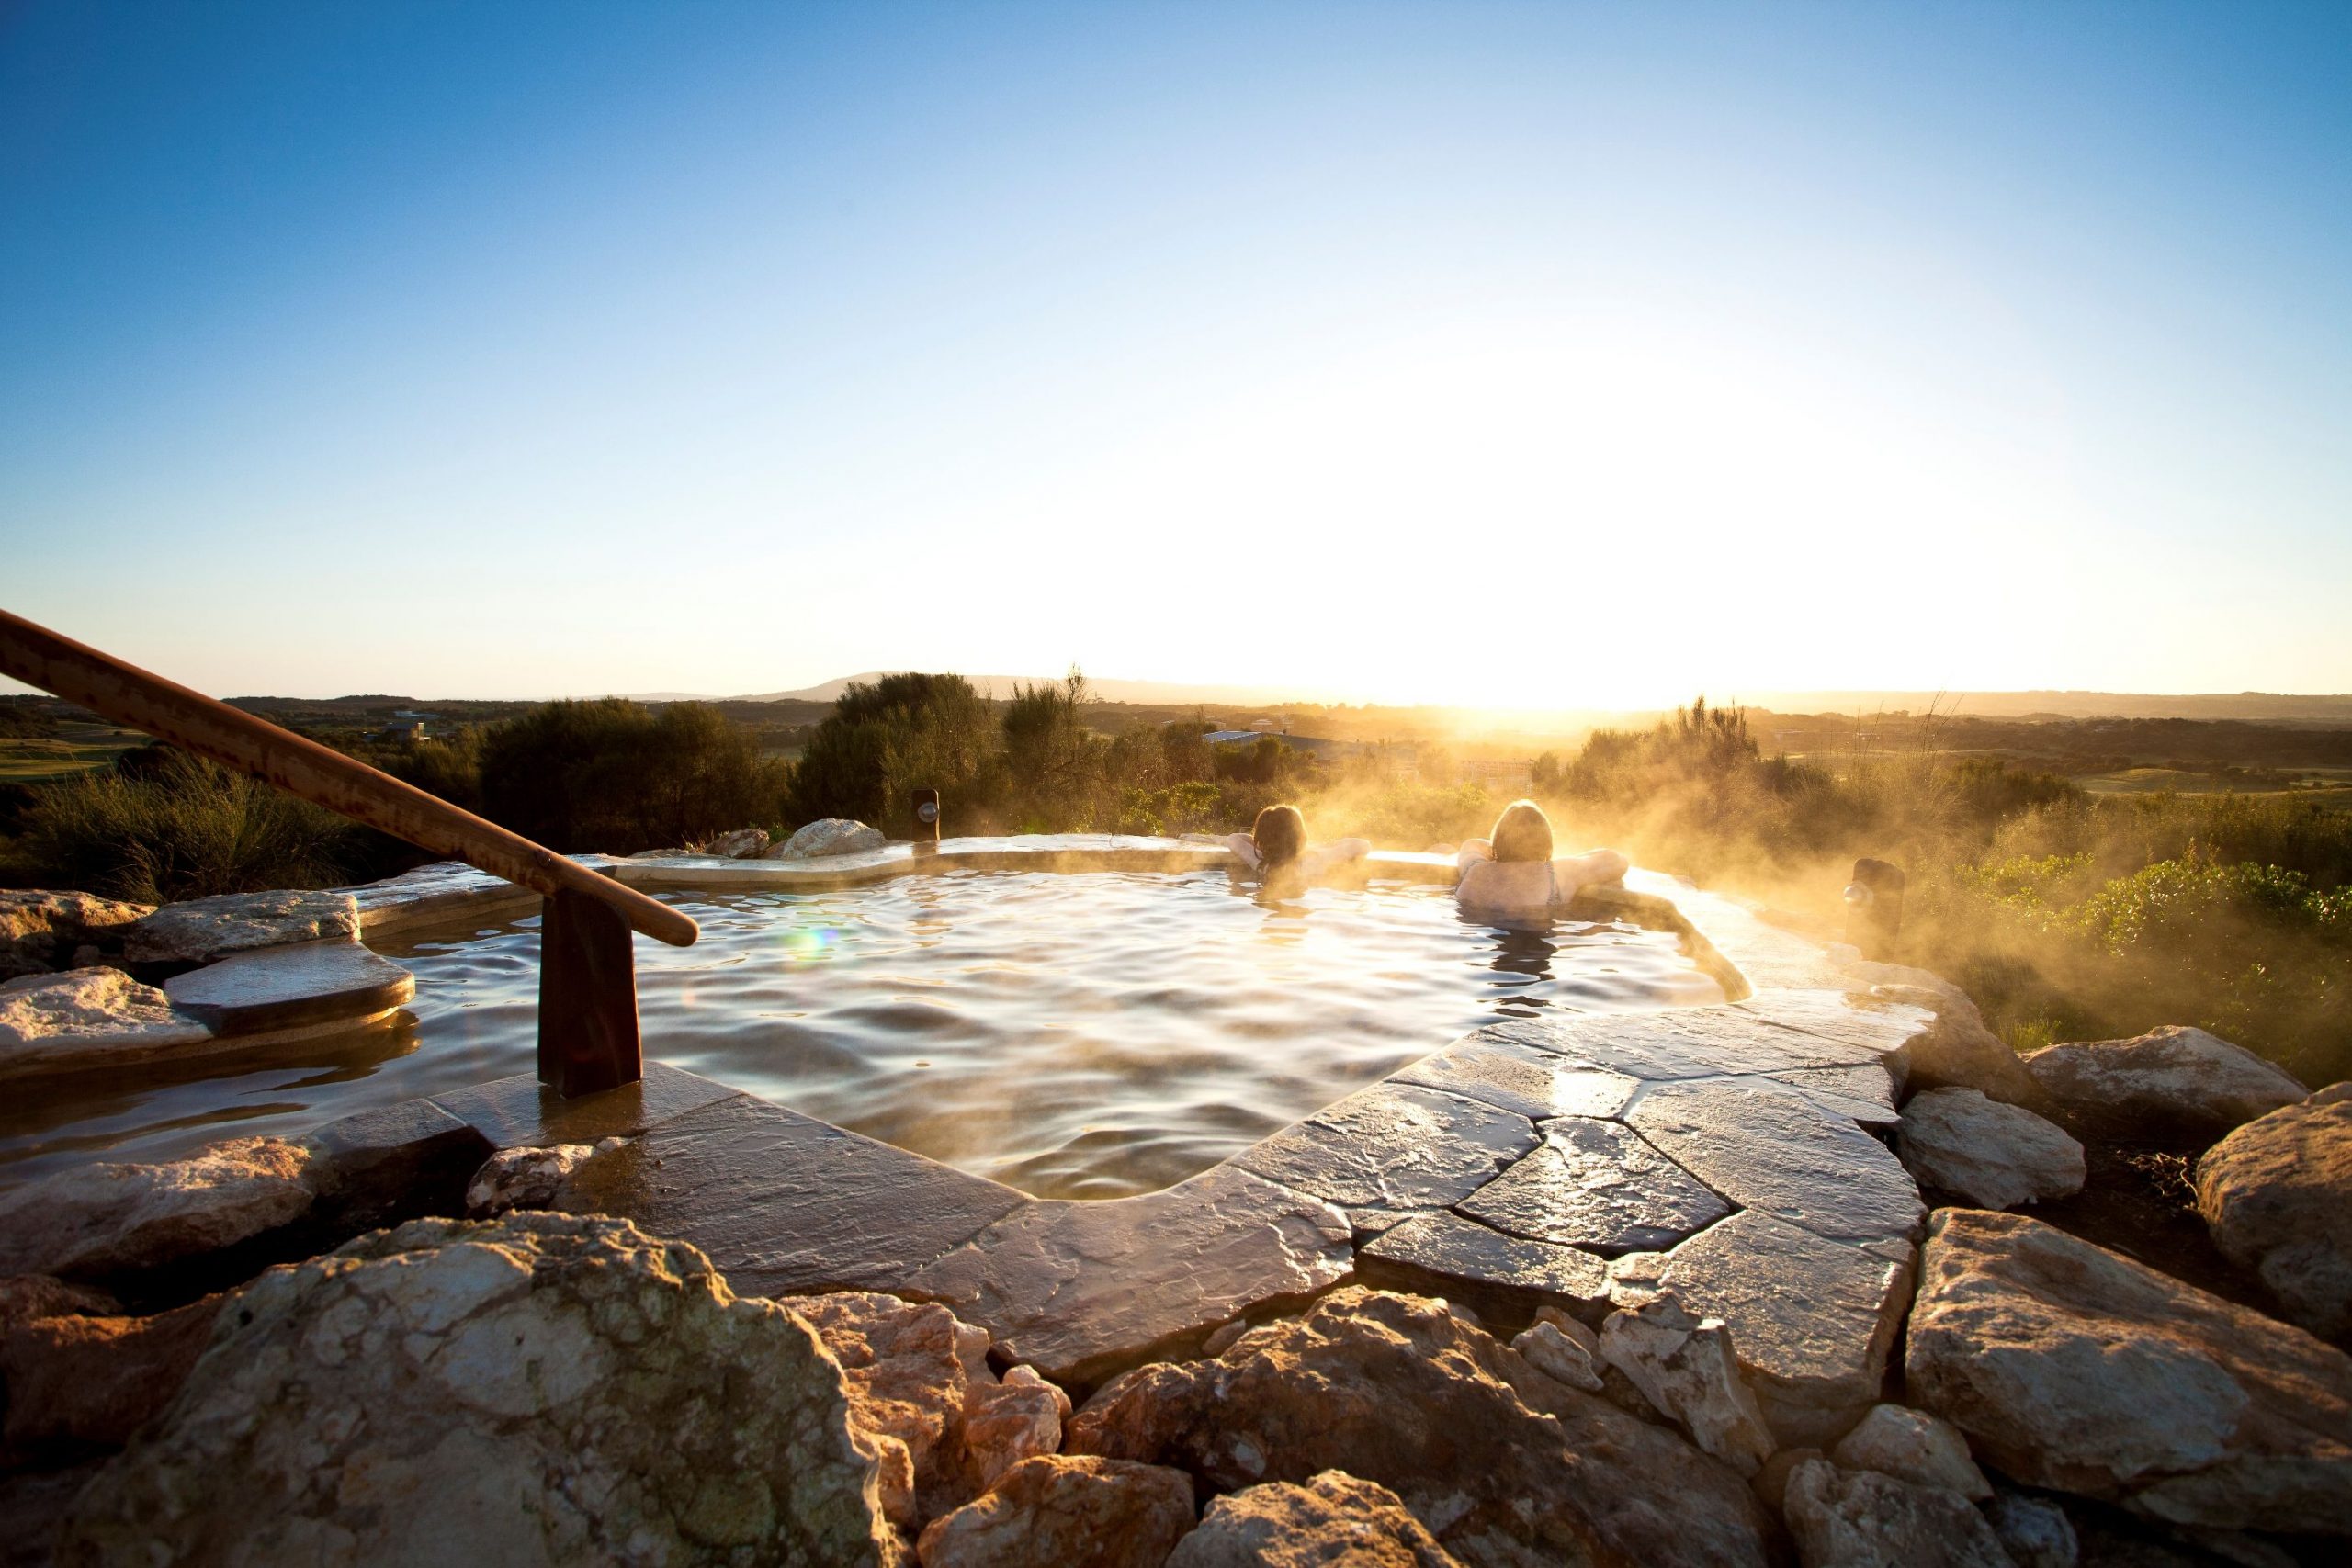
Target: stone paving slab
x=202 y=930
x=1770 y=1148
x=1599 y=1185
x=521 y=1112
x=1812 y=1320
x=786 y=1204
x=301 y=984
x=1391 y=1151
x=1689 y=1043
x=1445 y=1254
x=1514 y=1076
x=1852 y=1017
x=1082 y=1290
x=438 y=894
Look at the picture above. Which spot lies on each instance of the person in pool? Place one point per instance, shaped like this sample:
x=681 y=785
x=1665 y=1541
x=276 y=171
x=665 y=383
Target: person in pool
x=1275 y=849
x=1514 y=873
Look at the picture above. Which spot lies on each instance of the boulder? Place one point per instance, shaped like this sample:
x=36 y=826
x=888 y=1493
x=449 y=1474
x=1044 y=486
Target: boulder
x=528 y=1177
x=24 y=1297
x=41 y=931
x=76 y=1382
x=743 y=843
x=2277 y=1195
x=1863 y=1520
x=1685 y=1367
x=2033 y=1530
x=1995 y=1156
x=1956 y=1050
x=1333 y=1520
x=106 y=1220
x=390 y=1163
x=1911 y=1445
x=203 y=929
x=2173 y=1078
x=1106 y=1513
x=2073 y=1368
x=1008 y=1421
x=1503 y=1464
x=89 y=1018
x=1562 y=1350
x=1770 y=1482
x=829 y=836
x=539 y=1389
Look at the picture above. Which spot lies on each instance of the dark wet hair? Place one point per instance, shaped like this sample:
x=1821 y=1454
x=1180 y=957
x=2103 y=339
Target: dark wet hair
x=1280 y=834
x=1523 y=832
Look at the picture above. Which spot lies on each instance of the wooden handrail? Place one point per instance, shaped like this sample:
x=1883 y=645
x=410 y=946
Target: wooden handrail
x=131 y=696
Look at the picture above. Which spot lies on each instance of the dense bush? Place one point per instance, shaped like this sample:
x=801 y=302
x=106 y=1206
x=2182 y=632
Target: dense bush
x=172 y=826
x=885 y=740
x=611 y=774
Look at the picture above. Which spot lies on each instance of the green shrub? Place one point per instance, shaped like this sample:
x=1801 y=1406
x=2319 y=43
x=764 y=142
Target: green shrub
x=175 y=826
x=886 y=739
x=612 y=776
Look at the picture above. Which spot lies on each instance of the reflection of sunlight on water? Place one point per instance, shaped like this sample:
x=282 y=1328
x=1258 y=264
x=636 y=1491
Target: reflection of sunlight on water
x=1079 y=1034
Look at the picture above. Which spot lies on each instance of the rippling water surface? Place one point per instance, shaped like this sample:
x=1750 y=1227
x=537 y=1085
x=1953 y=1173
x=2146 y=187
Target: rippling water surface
x=1076 y=1034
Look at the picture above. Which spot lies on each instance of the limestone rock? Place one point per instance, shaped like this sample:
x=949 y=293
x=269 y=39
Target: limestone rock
x=1334 y=1520
x=528 y=1178
x=829 y=836
x=2171 y=1077
x=1863 y=1520
x=389 y=1163
x=1813 y=1320
x=1770 y=1482
x=87 y=1017
x=743 y=843
x=41 y=931
x=1564 y=1351
x=1060 y=1509
x=1503 y=1464
x=1685 y=1367
x=539 y=1389
x=79 y=1381
x=98 y=1220
x=1008 y=1421
x=1994 y=1156
x=2074 y=1369
x=1911 y=1445
x=1956 y=1050
x=2277 y=1194
x=202 y=930
x=910 y=1369
x=24 y=1297
x=2034 y=1531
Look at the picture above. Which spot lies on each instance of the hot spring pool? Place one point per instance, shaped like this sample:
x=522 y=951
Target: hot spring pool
x=1083 y=1034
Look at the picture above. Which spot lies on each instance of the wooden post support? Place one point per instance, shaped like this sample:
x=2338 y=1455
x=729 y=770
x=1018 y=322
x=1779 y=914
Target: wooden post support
x=588 y=1034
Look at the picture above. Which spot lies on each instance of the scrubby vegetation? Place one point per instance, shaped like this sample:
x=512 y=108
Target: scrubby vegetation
x=2068 y=915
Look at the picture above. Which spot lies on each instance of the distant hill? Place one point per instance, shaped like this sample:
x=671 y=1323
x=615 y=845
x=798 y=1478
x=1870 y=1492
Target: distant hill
x=2331 y=710
x=1001 y=686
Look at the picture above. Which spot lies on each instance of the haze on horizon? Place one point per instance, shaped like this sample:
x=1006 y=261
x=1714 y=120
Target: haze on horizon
x=1544 y=356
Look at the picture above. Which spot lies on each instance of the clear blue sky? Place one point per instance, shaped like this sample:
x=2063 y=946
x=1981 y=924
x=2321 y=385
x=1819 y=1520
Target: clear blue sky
x=1545 y=354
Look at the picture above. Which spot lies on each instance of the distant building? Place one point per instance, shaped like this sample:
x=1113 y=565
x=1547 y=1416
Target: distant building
x=404 y=730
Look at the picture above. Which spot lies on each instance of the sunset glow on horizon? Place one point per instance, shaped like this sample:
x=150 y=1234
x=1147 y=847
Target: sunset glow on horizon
x=1510 y=357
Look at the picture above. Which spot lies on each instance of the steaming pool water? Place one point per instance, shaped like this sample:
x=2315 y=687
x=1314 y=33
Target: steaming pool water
x=1082 y=1035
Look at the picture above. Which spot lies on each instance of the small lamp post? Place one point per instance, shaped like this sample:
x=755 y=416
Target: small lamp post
x=926 y=803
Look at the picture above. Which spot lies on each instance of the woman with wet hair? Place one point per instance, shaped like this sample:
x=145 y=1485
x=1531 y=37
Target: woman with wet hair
x=1514 y=871
x=1275 y=849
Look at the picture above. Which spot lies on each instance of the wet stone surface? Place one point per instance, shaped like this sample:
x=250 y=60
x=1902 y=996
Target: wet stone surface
x=289 y=986
x=1510 y=1076
x=1392 y=1151
x=1502 y=1277
x=1772 y=1150
x=1599 y=1185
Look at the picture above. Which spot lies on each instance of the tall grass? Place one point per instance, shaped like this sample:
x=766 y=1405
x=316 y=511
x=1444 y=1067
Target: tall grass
x=180 y=828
